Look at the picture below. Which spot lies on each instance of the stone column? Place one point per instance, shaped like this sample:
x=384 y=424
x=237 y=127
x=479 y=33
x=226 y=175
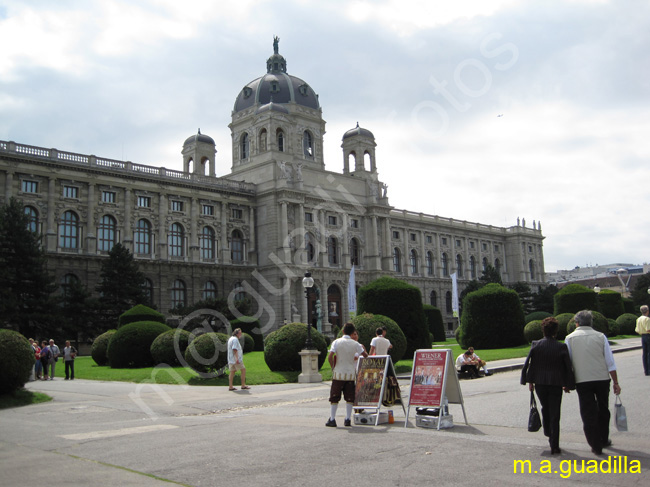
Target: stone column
x=283 y=237
x=252 y=248
x=50 y=236
x=162 y=230
x=225 y=238
x=194 y=251
x=345 y=245
x=323 y=257
x=9 y=185
x=91 y=238
x=127 y=238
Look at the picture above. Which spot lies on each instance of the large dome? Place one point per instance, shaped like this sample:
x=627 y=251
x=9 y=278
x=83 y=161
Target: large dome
x=276 y=86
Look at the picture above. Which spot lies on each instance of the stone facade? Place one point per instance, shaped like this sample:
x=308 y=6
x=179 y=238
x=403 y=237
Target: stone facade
x=256 y=231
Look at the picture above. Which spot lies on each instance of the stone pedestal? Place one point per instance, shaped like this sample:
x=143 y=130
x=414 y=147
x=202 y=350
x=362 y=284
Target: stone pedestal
x=296 y=318
x=310 y=372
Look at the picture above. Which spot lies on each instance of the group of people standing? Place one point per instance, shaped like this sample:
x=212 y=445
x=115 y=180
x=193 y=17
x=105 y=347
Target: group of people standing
x=47 y=355
x=584 y=362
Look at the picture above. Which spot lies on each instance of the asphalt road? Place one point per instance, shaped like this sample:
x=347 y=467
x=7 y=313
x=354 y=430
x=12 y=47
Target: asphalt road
x=108 y=433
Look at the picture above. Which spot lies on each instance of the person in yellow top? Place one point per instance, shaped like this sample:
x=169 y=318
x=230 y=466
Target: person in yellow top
x=643 y=329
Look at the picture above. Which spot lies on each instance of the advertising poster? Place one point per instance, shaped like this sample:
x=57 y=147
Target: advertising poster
x=428 y=378
x=370 y=379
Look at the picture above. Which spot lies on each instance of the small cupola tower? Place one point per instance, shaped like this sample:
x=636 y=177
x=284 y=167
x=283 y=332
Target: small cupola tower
x=359 y=144
x=198 y=152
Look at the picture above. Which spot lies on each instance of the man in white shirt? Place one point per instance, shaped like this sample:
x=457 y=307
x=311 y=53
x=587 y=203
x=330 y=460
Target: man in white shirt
x=380 y=345
x=236 y=360
x=643 y=329
x=342 y=358
x=479 y=363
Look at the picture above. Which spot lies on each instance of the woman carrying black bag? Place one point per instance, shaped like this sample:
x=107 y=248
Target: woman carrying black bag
x=548 y=370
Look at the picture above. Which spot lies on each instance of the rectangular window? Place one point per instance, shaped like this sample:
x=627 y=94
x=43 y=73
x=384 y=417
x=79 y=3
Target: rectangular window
x=144 y=201
x=413 y=237
x=484 y=246
x=496 y=248
x=309 y=217
x=331 y=220
x=395 y=235
x=458 y=244
x=471 y=245
x=177 y=205
x=207 y=210
x=237 y=213
x=429 y=239
x=530 y=249
x=70 y=192
x=108 y=196
x=354 y=223
x=443 y=240
x=29 y=186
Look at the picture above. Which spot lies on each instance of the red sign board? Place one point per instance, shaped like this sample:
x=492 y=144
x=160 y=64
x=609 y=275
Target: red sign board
x=428 y=377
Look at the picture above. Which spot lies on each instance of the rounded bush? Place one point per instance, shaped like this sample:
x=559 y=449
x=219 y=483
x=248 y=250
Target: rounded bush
x=533 y=331
x=573 y=298
x=599 y=324
x=16 y=361
x=281 y=347
x=208 y=353
x=253 y=329
x=612 y=326
x=610 y=303
x=100 y=347
x=537 y=315
x=163 y=348
x=563 y=320
x=130 y=346
x=436 y=325
x=140 y=312
x=367 y=324
x=627 y=324
x=249 y=343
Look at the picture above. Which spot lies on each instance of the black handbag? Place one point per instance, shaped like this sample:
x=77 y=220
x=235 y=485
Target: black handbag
x=534 y=421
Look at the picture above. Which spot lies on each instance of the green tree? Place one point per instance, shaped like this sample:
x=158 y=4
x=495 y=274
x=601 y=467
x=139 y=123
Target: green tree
x=490 y=274
x=543 y=300
x=121 y=286
x=640 y=294
x=76 y=312
x=525 y=295
x=25 y=284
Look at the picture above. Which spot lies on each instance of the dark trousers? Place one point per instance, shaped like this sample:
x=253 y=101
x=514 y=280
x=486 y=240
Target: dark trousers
x=69 y=369
x=472 y=370
x=550 y=398
x=594 y=410
x=645 y=343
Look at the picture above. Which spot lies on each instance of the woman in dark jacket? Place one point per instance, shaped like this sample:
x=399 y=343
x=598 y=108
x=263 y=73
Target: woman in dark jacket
x=548 y=370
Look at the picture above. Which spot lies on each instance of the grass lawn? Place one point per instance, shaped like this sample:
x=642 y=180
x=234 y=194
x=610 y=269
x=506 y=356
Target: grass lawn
x=22 y=397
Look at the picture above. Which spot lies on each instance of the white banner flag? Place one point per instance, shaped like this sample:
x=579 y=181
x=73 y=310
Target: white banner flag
x=352 y=292
x=454 y=294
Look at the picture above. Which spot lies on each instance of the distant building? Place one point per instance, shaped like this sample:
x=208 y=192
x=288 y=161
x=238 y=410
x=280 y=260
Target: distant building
x=615 y=277
x=277 y=214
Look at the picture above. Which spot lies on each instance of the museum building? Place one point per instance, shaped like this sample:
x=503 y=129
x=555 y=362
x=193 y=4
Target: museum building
x=256 y=231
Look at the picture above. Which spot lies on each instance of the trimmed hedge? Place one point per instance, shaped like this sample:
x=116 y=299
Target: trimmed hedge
x=208 y=353
x=610 y=303
x=100 y=347
x=249 y=343
x=367 y=324
x=612 y=326
x=533 y=331
x=401 y=302
x=599 y=323
x=253 y=329
x=163 y=348
x=436 y=325
x=16 y=361
x=627 y=324
x=492 y=318
x=281 y=347
x=140 y=312
x=573 y=298
x=130 y=346
x=537 y=315
x=563 y=321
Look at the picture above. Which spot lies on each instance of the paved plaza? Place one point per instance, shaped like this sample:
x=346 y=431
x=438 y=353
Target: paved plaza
x=110 y=433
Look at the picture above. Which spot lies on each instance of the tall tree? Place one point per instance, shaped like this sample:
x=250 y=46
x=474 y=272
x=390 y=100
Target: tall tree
x=640 y=294
x=490 y=274
x=543 y=300
x=525 y=295
x=121 y=285
x=25 y=284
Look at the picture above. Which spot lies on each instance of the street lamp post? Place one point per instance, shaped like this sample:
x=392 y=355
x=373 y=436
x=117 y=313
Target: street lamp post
x=309 y=355
x=308 y=284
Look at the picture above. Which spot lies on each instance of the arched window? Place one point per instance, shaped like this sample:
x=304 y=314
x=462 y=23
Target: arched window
x=244 y=144
x=531 y=268
x=414 y=262
x=459 y=265
x=308 y=144
x=236 y=247
x=69 y=231
x=397 y=260
x=143 y=237
x=263 y=137
x=240 y=295
x=209 y=290
x=280 y=140
x=67 y=282
x=178 y=294
x=309 y=248
x=448 y=302
x=429 y=259
x=497 y=266
x=32 y=218
x=106 y=230
x=445 y=265
x=433 y=299
x=207 y=243
x=332 y=251
x=354 y=252
x=176 y=240
x=147 y=287
x=472 y=267
x=485 y=264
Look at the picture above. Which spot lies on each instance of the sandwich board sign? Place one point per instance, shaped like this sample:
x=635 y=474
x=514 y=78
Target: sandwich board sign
x=372 y=377
x=434 y=382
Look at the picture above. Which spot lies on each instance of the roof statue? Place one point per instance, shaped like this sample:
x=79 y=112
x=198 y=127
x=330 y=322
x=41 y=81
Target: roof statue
x=276 y=41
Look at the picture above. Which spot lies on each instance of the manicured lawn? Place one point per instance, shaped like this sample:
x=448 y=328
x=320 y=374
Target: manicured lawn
x=22 y=397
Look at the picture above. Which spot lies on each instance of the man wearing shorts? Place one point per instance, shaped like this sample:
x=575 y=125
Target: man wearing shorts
x=342 y=357
x=236 y=359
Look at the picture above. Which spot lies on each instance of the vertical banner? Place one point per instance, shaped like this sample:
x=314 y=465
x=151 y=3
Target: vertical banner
x=352 y=294
x=454 y=294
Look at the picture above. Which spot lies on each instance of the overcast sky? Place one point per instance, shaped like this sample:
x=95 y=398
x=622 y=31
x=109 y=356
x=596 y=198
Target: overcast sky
x=483 y=111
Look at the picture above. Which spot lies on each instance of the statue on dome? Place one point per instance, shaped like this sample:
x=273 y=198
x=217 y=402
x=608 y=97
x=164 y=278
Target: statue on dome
x=276 y=41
